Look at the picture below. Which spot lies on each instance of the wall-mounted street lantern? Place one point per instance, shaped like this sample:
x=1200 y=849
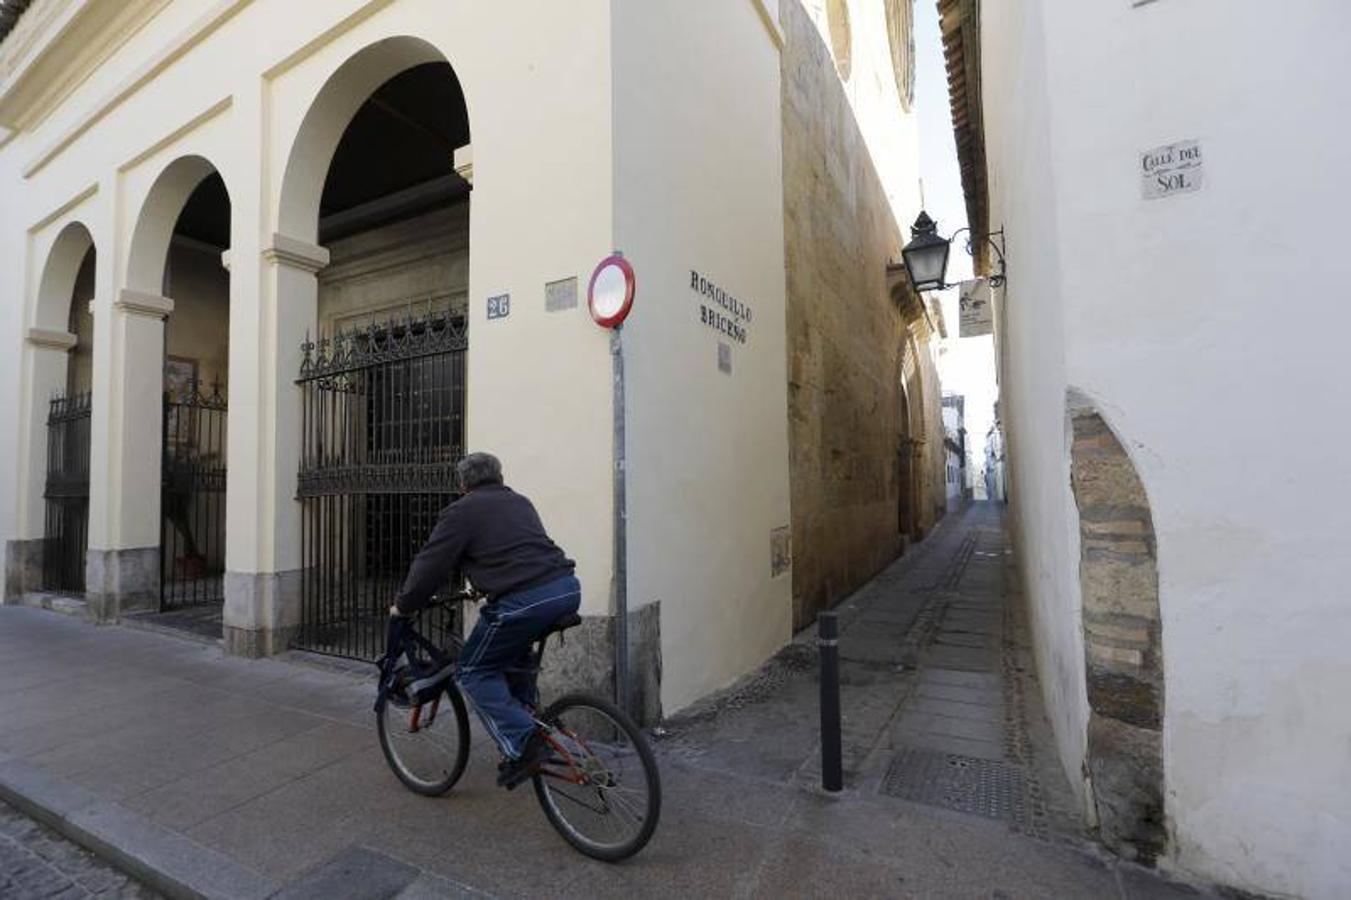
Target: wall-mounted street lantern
x=926 y=256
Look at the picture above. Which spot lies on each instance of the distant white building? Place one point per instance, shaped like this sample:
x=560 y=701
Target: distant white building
x=992 y=469
x=954 y=443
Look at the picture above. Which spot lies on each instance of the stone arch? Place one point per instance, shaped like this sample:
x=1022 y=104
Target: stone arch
x=56 y=287
x=325 y=122
x=910 y=445
x=172 y=348
x=1123 y=640
x=905 y=500
x=49 y=342
x=149 y=247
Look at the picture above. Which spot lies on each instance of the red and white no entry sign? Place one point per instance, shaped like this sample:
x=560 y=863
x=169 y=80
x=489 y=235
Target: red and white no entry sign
x=610 y=294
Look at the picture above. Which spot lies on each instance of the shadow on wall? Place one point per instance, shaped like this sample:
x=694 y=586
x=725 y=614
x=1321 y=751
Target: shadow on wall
x=1119 y=584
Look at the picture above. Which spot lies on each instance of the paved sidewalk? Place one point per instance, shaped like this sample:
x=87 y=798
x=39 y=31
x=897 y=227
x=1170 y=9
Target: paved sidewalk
x=259 y=778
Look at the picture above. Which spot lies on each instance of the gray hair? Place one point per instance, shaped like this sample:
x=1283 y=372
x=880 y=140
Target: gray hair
x=477 y=469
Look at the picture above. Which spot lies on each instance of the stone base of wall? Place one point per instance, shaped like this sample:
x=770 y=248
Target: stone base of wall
x=23 y=568
x=254 y=643
x=584 y=662
x=1126 y=767
x=122 y=581
x=262 y=612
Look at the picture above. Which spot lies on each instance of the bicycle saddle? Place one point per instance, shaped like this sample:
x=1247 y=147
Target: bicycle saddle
x=563 y=623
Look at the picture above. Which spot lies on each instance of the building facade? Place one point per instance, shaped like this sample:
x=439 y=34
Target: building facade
x=1158 y=169
x=957 y=485
x=271 y=268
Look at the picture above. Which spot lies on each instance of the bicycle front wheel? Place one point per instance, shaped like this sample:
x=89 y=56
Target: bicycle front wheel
x=600 y=788
x=426 y=746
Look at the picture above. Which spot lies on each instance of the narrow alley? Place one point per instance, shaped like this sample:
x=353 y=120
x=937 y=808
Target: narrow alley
x=940 y=704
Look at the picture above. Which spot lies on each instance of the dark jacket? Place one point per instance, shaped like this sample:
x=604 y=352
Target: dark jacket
x=493 y=536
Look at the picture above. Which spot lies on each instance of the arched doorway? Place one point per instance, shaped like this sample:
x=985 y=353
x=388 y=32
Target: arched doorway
x=177 y=253
x=910 y=445
x=380 y=176
x=56 y=501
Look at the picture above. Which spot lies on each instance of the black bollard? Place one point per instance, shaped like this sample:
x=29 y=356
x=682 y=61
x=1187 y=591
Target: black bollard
x=828 y=639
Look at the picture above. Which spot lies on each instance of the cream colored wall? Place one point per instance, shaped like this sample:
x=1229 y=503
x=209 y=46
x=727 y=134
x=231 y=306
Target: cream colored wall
x=233 y=84
x=698 y=186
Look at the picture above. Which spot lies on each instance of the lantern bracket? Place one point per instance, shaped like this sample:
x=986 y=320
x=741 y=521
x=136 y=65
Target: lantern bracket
x=995 y=240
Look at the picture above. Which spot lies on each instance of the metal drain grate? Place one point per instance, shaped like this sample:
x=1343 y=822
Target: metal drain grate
x=966 y=784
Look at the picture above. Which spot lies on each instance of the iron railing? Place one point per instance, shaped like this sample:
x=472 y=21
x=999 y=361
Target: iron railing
x=66 y=525
x=382 y=427
x=192 y=498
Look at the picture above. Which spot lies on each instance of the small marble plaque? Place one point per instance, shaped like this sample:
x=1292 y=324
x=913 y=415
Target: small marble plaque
x=724 y=358
x=561 y=294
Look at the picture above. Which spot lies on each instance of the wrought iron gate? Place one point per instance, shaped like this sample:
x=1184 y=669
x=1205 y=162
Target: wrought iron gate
x=383 y=426
x=192 y=498
x=66 y=527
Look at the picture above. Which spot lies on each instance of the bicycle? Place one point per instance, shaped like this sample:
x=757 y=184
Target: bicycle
x=600 y=776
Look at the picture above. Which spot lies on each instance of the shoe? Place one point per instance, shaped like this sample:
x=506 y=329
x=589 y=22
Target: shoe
x=512 y=772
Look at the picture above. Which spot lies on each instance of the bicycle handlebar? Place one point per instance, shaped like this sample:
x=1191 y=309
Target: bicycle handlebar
x=467 y=594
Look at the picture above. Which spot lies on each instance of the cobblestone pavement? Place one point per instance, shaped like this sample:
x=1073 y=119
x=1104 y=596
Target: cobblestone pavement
x=36 y=862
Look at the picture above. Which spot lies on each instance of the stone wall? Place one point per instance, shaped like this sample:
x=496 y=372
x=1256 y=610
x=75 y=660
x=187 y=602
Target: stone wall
x=1119 y=581
x=846 y=336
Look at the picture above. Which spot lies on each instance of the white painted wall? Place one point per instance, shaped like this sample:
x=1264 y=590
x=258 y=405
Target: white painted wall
x=1170 y=315
x=698 y=185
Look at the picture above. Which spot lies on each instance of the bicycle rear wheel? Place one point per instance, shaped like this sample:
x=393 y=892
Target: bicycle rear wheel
x=600 y=789
x=426 y=746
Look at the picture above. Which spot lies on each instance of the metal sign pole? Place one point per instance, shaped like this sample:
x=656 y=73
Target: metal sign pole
x=621 y=587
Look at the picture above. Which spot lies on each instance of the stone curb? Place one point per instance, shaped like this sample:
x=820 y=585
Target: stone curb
x=166 y=861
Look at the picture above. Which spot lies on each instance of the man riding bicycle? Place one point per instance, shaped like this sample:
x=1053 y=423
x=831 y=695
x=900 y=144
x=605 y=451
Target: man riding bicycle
x=493 y=536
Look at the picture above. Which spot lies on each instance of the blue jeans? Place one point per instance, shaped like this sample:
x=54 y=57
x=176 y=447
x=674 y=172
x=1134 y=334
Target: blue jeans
x=502 y=639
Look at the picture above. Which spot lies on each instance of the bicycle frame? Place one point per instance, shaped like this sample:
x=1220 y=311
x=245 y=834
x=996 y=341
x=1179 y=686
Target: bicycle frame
x=404 y=642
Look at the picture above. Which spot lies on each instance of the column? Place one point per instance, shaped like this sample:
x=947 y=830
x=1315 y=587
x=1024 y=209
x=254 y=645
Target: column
x=263 y=553
x=46 y=357
x=122 y=571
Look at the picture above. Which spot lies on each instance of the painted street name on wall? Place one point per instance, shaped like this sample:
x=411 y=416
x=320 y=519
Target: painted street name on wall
x=719 y=310
x=1171 y=169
